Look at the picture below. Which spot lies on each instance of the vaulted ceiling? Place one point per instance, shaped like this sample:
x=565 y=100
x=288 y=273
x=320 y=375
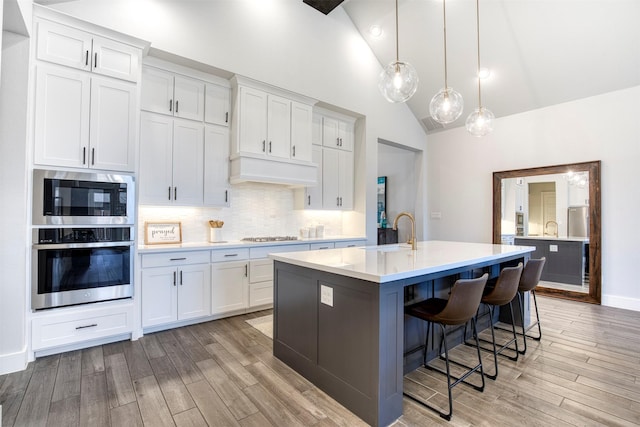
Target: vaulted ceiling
x=539 y=52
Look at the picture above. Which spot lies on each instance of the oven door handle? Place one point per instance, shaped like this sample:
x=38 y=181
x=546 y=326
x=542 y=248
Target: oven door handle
x=82 y=245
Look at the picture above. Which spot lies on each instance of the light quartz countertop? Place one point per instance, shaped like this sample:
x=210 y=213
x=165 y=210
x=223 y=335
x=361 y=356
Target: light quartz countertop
x=231 y=244
x=387 y=263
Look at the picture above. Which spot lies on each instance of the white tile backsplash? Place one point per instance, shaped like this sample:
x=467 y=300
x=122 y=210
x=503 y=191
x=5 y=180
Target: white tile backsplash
x=256 y=210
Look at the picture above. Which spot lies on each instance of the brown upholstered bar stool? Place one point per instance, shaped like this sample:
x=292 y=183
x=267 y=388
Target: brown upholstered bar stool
x=461 y=307
x=502 y=293
x=528 y=282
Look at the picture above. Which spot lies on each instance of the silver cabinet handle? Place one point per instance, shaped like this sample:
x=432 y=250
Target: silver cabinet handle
x=230 y=255
x=93 y=325
x=309 y=200
x=174 y=278
x=246 y=270
x=93 y=156
x=170 y=105
x=176 y=106
x=175 y=193
x=180 y=277
x=84 y=155
x=169 y=193
x=95 y=60
x=86 y=58
x=226 y=196
x=177 y=259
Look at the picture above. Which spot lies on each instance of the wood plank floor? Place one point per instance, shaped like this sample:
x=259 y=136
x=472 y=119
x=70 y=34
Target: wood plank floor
x=585 y=372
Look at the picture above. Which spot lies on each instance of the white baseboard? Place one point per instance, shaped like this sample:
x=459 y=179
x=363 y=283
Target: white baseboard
x=621 y=302
x=13 y=362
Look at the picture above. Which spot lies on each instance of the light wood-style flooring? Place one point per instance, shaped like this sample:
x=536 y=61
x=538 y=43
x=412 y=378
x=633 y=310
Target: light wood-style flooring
x=584 y=372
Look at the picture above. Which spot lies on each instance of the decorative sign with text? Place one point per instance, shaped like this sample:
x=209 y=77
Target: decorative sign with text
x=157 y=233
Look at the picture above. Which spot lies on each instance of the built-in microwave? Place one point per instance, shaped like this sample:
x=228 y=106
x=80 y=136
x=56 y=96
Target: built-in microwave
x=80 y=198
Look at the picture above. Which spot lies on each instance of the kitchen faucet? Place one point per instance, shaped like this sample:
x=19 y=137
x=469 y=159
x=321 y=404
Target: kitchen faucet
x=412 y=240
x=546 y=226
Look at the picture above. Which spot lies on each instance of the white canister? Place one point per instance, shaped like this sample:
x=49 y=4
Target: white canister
x=215 y=235
x=319 y=231
x=304 y=233
x=312 y=232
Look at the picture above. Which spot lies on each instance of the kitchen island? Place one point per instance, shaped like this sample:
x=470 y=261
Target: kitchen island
x=339 y=314
x=567 y=257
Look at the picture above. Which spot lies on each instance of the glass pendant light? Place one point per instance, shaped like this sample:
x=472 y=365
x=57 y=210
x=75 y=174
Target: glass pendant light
x=480 y=121
x=446 y=105
x=399 y=80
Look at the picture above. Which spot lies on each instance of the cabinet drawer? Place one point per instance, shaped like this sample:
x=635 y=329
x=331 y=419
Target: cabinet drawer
x=350 y=243
x=264 y=251
x=260 y=293
x=260 y=270
x=229 y=254
x=175 y=258
x=73 y=327
x=324 y=245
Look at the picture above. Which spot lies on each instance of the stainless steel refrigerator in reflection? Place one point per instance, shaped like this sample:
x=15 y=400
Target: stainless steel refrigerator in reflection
x=578 y=221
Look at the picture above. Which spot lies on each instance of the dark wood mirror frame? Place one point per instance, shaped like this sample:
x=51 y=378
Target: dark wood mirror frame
x=595 y=276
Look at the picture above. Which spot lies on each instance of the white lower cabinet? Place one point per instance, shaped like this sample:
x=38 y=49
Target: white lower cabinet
x=75 y=325
x=260 y=282
x=178 y=290
x=229 y=286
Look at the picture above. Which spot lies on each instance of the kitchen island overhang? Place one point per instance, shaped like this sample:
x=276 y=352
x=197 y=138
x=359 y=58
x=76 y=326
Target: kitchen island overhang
x=339 y=314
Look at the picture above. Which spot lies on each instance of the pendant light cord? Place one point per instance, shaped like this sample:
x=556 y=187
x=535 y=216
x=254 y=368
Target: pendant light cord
x=444 y=27
x=478 y=39
x=397 y=43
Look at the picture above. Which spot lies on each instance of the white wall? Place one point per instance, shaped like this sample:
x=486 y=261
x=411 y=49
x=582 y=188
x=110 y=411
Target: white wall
x=284 y=43
x=604 y=127
x=14 y=248
x=399 y=166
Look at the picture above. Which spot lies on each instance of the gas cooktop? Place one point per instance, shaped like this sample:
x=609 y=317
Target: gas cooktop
x=270 y=239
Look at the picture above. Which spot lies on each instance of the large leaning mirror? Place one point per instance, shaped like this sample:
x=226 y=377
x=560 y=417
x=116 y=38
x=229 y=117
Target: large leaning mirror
x=557 y=210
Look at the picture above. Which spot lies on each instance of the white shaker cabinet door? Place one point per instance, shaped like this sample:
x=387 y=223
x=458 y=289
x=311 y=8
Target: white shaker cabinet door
x=159 y=296
x=62 y=116
x=188 y=162
x=63 y=45
x=253 y=121
x=278 y=127
x=216 y=169
x=194 y=291
x=188 y=98
x=157 y=91
x=112 y=129
x=156 y=159
x=217 y=104
x=229 y=286
x=313 y=195
x=330 y=179
x=346 y=180
x=115 y=59
x=301 y=131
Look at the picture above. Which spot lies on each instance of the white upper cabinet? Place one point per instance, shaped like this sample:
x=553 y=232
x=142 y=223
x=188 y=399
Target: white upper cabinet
x=172 y=94
x=337 y=179
x=301 y=131
x=279 y=127
x=216 y=166
x=96 y=127
x=337 y=134
x=75 y=48
x=171 y=161
x=217 y=104
x=86 y=94
x=252 y=133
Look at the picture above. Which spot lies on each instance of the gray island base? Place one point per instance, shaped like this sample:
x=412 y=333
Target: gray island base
x=339 y=314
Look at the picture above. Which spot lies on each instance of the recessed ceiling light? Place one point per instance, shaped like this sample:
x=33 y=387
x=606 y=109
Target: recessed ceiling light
x=484 y=73
x=375 y=31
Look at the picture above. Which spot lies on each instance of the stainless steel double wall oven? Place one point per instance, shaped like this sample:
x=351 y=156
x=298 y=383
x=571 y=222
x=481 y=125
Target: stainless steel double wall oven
x=83 y=238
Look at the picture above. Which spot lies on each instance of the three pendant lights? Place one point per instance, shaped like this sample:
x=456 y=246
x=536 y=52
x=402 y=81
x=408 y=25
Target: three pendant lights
x=399 y=81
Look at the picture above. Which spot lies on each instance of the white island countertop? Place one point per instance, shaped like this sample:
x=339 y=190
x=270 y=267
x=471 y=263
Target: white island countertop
x=387 y=263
